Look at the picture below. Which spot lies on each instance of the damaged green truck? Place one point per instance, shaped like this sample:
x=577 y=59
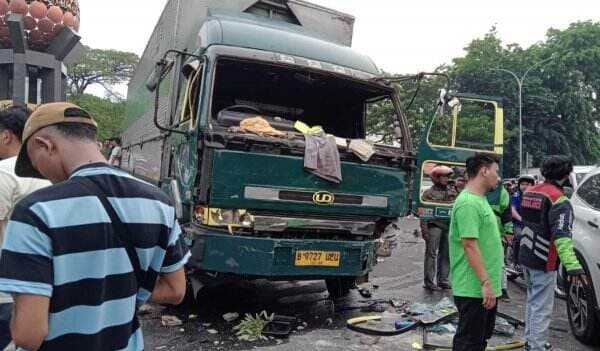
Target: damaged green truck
x=247 y=205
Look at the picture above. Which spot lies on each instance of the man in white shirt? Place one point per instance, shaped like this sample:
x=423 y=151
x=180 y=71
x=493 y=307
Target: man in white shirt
x=115 y=154
x=12 y=190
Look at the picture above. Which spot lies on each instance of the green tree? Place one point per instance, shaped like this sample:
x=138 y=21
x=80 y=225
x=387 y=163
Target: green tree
x=104 y=67
x=107 y=113
x=381 y=114
x=560 y=103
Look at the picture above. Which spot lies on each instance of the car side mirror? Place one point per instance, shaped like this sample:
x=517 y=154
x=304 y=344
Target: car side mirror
x=568 y=191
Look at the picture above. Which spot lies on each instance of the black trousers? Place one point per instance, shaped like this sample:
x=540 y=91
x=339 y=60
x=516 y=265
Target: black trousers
x=475 y=324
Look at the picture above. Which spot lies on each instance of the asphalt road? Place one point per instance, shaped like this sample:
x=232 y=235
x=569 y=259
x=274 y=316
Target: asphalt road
x=321 y=323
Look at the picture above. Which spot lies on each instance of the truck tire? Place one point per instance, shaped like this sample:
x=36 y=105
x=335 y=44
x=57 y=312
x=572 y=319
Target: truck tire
x=581 y=310
x=339 y=287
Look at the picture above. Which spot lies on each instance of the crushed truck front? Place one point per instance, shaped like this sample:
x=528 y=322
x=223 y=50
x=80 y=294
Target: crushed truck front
x=247 y=204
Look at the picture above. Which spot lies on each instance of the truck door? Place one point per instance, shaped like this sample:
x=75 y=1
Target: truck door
x=466 y=125
x=180 y=157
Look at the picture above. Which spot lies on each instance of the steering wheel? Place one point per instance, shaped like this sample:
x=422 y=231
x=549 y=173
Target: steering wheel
x=243 y=107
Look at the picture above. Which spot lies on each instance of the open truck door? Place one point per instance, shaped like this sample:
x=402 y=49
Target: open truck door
x=462 y=126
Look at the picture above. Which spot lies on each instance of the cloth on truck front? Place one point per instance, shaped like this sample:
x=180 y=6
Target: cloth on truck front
x=362 y=148
x=306 y=129
x=321 y=157
x=260 y=126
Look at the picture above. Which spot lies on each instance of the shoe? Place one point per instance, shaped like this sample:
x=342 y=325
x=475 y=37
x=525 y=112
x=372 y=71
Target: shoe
x=558 y=292
x=547 y=347
x=432 y=287
x=505 y=297
x=519 y=269
x=445 y=286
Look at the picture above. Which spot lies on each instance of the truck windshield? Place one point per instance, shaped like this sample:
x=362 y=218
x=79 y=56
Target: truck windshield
x=285 y=95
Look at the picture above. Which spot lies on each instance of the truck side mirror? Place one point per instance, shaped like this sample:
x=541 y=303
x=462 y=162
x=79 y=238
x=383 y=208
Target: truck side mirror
x=190 y=67
x=449 y=105
x=160 y=70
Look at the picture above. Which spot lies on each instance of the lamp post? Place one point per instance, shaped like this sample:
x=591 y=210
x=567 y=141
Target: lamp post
x=520 y=85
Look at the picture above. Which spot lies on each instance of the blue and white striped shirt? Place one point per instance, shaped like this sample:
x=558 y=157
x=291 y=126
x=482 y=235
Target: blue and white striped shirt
x=60 y=243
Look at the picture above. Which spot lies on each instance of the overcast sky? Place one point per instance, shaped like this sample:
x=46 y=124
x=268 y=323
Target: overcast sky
x=400 y=36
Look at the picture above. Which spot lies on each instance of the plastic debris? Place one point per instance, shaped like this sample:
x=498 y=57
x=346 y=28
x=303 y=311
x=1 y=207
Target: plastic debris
x=503 y=327
x=442 y=328
x=416 y=346
x=418 y=308
x=230 y=317
x=170 y=321
x=443 y=304
x=403 y=324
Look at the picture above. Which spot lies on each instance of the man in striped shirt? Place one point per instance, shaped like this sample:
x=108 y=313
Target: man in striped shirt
x=79 y=256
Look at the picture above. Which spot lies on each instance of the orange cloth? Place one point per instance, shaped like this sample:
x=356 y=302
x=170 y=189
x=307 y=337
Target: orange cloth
x=260 y=126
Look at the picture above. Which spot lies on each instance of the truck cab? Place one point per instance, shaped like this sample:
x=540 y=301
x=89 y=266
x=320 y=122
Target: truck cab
x=247 y=204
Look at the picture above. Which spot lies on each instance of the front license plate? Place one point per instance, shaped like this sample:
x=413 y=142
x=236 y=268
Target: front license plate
x=318 y=258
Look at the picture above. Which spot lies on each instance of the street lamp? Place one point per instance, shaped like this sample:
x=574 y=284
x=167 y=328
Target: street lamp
x=520 y=84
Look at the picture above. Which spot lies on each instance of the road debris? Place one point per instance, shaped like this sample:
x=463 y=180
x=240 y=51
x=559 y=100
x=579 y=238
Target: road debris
x=145 y=309
x=230 y=317
x=280 y=326
x=369 y=340
x=251 y=327
x=170 y=321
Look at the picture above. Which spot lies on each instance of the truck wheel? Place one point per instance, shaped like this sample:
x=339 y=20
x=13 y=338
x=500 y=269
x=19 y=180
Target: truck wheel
x=582 y=313
x=339 y=287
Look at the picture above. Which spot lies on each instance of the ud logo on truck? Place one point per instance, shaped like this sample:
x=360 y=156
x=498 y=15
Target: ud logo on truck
x=323 y=198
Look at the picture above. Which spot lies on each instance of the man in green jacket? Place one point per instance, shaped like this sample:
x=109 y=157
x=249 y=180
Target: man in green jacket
x=505 y=226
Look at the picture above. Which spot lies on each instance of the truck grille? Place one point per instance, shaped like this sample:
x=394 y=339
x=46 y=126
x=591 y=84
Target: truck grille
x=334 y=217
x=274 y=194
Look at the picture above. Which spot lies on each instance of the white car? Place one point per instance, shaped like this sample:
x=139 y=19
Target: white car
x=583 y=301
x=579 y=173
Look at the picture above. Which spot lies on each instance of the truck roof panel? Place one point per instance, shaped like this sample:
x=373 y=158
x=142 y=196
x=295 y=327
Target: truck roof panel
x=243 y=30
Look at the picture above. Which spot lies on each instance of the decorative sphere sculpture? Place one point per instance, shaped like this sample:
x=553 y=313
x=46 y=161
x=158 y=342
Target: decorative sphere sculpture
x=42 y=20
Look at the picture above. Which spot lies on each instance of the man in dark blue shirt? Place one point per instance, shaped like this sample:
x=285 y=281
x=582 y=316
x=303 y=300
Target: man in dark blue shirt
x=523 y=183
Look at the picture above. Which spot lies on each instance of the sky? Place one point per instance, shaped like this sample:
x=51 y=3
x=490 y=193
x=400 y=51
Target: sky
x=400 y=36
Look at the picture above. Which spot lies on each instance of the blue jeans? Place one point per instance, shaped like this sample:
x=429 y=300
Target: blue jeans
x=5 y=315
x=540 y=303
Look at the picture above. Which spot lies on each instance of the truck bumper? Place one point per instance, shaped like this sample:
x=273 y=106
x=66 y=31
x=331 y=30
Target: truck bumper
x=273 y=258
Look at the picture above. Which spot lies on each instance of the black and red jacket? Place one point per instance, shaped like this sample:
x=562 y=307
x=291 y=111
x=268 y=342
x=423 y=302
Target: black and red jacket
x=547 y=216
